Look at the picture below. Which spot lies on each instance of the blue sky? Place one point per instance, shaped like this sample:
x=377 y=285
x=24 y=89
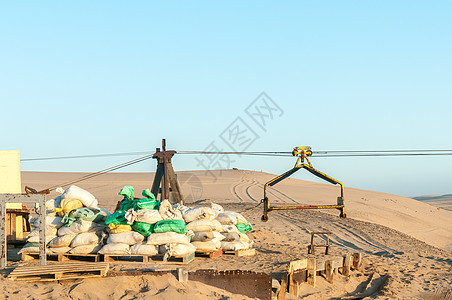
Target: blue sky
x=113 y=76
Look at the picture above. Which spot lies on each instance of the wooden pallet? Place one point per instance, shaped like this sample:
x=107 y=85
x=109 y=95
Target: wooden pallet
x=60 y=271
x=241 y=252
x=63 y=257
x=148 y=258
x=213 y=254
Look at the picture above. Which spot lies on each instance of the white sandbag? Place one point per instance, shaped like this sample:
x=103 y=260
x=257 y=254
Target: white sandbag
x=50 y=204
x=167 y=212
x=202 y=236
x=231 y=236
x=115 y=249
x=59 y=250
x=217 y=236
x=144 y=249
x=85 y=238
x=50 y=230
x=128 y=237
x=208 y=246
x=150 y=216
x=199 y=213
x=75 y=192
x=35 y=238
x=51 y=220
x=232 y=246
x=204 y=225
x=217 y=207
x=229 y=228
x=80 y=226
x=61 y=241
x=86 y=249
x=167 y=238
x=177 y=249
x=244 y=237
x=231 y=218
x=29 y=250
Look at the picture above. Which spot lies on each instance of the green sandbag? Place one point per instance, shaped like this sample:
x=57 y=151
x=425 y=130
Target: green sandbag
x=146 y=203
x=148 y=194
x=85 y=213
x=116 y=218
x=244 y=228
x=127 y=192
x=144 y=228
x=170 y=225
x=126 y=205
x=28 y=245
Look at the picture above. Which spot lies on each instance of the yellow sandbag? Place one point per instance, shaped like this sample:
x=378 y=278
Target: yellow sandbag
x=67 y=205
x=112 y=228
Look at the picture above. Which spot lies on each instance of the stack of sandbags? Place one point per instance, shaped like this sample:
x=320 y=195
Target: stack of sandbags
x=52 y=223
x=201 y=220
x=129 y=226
x=234 y=229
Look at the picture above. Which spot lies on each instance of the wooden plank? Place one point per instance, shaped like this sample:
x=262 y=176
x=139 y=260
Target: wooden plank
x=283 y=290
x=58 y=267
x=297 y=265
x=311 y=271
x=329 y=271
x=347 y=263
x=357 y=261
x=245 y=252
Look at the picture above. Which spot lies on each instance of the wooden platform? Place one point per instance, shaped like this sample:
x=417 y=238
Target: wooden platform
x=211 y=255
x=148 y=258
x=241 y=252
x=60 y=271
x=63 y=257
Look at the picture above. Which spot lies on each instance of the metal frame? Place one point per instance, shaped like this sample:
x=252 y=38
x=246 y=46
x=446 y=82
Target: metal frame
x=23 y=198
x=302 y=153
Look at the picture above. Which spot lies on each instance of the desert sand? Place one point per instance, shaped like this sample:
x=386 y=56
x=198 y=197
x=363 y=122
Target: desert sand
x=406 y=243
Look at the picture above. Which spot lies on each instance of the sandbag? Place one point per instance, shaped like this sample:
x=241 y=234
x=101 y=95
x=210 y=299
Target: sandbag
x=146 y=203
x=86 y=249
x=127 y=192
x=115 y=249
x=85 y=238
x=35 y=238
x=116 y=218
x=244 y=237
x=61 y=241
x=85 y=213
x=204 y=225
x=50 y=230
x=130 y=238
x=149 y=216
x=126 y=204
x=67 y=205
x=170 y=225
x=75 y=192
x=202 y=236
x=217 y=236
x=229 y=228
x=51 y=221
x=144 y=249
x=244 y=228
x=199 y=213
x=167 y=238
x=231 y=236
x=177 y=249
x=79 y=227
x=232 y=246
x=59 y=250
x=167 y=211
x=231 y=218
x=112 y=228
x=30 y=248
x=208 y=246
x=143 y=228
x=217 y=207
